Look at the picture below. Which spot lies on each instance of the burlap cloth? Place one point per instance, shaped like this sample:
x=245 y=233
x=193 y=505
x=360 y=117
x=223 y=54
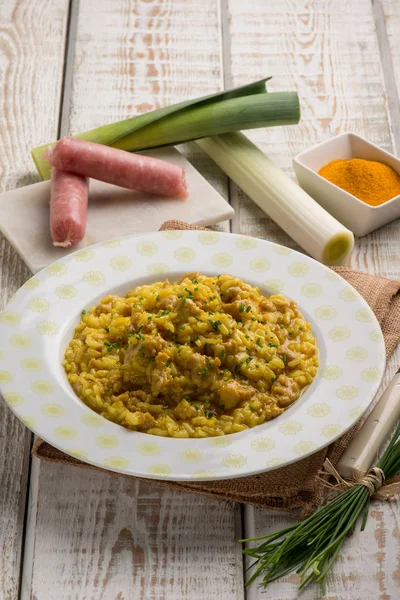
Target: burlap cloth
x=295 y=486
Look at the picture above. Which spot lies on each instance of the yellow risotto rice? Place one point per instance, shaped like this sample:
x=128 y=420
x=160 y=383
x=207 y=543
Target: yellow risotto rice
x=204 y=356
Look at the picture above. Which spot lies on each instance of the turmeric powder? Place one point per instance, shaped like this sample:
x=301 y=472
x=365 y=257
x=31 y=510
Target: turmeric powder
x=368 y=180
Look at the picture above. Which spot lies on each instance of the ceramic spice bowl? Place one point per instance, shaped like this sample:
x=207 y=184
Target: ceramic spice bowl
x=355 y=214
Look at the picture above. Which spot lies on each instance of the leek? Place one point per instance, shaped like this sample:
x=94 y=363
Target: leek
x=246 y=107
x=305 y=221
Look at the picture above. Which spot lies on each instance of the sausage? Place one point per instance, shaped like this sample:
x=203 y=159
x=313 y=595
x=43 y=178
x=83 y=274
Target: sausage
x=68 y=208
x=132 y=171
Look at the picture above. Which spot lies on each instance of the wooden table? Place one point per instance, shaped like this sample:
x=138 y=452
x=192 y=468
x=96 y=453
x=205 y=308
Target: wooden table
x=67 y=66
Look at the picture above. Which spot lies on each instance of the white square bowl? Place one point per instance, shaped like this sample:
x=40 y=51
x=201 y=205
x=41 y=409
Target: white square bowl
x=356 y=215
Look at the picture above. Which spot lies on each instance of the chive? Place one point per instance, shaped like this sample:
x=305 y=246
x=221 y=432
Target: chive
x=258 y=342
x=195 y=280
x=272 y=345
x=241 y=308
x=284 y=358
x=181 y=327
x=282 y=326
x=251 y=408
x=149 y=318
x=158 y=298
x=222 y=354
x=196 y=289
x=248 y=309
x=208 y=414
x=84 y=312
x=253 y=319
x=106 y=329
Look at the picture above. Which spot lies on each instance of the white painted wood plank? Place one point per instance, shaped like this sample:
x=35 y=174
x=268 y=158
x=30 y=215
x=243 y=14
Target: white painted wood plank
x=387 y=20
x=101 y=536
x=32 y=38
x=92 y=535
x=329 y=53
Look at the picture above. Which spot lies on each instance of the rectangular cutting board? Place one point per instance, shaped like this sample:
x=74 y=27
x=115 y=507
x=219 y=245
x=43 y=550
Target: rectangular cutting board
x=113 y=212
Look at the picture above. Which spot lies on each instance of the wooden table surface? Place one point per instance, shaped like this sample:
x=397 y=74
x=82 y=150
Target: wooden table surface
x=68 y=66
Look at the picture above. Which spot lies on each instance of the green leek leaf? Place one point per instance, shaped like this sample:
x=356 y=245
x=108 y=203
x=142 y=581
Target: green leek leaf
x=246 y=107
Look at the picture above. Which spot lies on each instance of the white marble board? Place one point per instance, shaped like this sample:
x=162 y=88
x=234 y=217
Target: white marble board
x=113 y=212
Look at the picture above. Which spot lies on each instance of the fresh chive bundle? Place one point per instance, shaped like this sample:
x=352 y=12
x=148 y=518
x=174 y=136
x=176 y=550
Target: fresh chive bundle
x=245 y=107
x=312 y=546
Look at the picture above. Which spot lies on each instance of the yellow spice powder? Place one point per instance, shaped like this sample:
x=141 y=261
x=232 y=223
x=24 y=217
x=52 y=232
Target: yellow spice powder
x=368 y=180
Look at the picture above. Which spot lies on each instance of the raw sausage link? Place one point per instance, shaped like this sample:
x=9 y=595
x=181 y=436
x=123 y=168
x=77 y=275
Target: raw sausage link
x=68 y=208
x=132 y=171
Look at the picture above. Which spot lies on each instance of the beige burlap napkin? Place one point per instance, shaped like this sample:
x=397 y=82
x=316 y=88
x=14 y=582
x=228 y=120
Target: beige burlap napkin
x=297 y=485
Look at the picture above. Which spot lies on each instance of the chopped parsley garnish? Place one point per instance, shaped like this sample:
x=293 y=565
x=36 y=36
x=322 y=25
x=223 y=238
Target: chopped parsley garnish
x=282 y=326
x=253 y=318
x=258 y=342
x=284 y=358
x=272 y=345
x=204 y=372
x=158 y=298
x=215 y=324
x=196 y=289
x=241 y=308
x=106 y=329
x=84 y=312
x=290 y=332
x=208 y=414
x=181 y=327
x=273 y=379
x=195 y=280
x=111 y=346
x=248 y=309
x=251 y=408
x=222 y=354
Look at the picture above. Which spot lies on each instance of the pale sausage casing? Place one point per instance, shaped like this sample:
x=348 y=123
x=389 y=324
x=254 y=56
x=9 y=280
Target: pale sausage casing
x=127 y=170
x=68 y=208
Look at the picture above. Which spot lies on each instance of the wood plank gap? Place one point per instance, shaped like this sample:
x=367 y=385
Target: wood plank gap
x=29 y=531
x=388 y=71
x=228 y=83
x=69 y=62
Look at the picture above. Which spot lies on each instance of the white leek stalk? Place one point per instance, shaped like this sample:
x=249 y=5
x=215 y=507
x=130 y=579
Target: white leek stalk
x=303 y=219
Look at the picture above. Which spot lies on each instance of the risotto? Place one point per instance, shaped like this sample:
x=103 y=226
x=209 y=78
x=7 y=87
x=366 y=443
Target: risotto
x=205 y=356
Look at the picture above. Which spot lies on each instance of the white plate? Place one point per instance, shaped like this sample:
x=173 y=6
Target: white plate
x=37 y=325
x=112 y=212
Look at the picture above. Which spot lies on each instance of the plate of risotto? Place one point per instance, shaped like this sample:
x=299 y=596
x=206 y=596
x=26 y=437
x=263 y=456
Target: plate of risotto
x=189 y=355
